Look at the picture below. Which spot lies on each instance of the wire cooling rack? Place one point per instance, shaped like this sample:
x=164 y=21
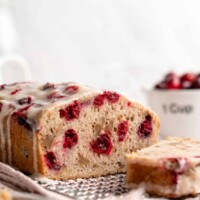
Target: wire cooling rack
x=98 y=188
x=90 y=189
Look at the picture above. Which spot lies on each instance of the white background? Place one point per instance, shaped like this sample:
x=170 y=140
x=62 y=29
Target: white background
x=120 y=44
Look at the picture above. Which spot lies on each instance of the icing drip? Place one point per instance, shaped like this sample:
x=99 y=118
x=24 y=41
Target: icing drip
x=9 y=139
x=35 y=158
x=2 y=141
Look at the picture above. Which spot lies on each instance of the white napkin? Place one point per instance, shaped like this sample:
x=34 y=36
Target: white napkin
x=23 y=187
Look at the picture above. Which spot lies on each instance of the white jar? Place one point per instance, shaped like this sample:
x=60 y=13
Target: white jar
x=179 y=111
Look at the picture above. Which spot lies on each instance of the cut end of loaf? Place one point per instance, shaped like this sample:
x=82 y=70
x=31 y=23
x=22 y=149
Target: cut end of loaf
x=91 y=135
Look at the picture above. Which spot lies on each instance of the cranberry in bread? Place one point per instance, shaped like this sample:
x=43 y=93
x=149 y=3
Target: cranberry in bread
x=66 y=130
x=170 y=168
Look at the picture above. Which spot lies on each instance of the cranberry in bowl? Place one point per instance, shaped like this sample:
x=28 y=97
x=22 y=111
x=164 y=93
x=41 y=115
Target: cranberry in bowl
x=176 y=99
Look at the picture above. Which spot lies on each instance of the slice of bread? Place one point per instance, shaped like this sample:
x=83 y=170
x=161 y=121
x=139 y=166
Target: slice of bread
x=68 y=130
x=170 y=168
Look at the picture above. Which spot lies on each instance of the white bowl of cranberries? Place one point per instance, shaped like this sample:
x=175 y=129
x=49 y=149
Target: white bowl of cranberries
x=176 y=99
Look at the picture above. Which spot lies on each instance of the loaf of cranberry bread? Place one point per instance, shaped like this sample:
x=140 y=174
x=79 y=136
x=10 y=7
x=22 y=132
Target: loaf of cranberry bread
x=170 y=168
x=67 y=130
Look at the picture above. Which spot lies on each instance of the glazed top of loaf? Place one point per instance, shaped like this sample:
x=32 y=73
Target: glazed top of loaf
x=34 y=97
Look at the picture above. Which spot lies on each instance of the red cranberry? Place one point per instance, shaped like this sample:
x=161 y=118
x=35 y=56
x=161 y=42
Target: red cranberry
x=196 y=83
x=49 y=86
x=187 y=80
x=15 y=91
x=71 y=112
x=26 y=100
x=112 y=96
x=3 y=86
x=188 y=77
x=102 y=145
x=99 y=100
x=161 y=85
x=55 y=95
x=63 y=113
x=145 y=128
x=122 y=130
x=71 y=138
x=173 y=83
x=129 y=104
x=72 y=89
x=51 y=161
x=1 y=105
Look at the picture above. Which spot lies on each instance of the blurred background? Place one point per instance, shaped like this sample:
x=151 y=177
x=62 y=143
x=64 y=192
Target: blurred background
x=122 y=45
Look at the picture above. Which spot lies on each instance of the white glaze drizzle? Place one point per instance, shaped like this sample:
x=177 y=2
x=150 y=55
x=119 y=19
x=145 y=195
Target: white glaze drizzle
x=41 y=102
x=35 y=158
x=9 y=139
x=2 y=136
x=2 y=141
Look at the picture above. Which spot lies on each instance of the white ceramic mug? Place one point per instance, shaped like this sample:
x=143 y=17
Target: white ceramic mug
x=13 y=68
x=179 y=111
